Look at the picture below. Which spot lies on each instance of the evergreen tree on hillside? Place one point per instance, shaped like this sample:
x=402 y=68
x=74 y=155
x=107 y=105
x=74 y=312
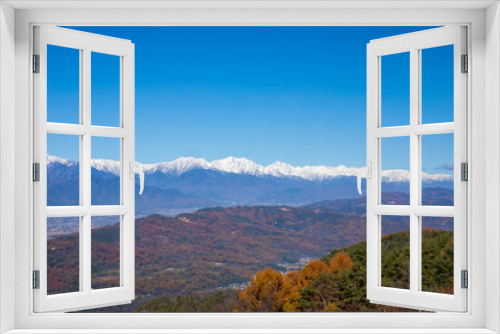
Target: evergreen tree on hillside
x=335 y=283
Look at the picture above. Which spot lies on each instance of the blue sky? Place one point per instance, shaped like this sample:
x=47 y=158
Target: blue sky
x=294 y=94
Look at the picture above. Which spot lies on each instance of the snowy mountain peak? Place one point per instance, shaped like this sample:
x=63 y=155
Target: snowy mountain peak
x=279 y=165
x=110 y=166
x=51 y=159
x=184 y=164
x=237 y=166
x=248 y=167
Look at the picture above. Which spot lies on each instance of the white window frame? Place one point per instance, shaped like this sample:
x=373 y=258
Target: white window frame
x=482 y=19
x=85 y=297
x=414 y=43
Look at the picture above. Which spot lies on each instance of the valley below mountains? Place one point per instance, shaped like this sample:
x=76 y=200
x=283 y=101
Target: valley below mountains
x=218 y=248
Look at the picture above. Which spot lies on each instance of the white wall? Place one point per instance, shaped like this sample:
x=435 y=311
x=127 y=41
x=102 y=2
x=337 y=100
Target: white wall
x=492 y=166
x=7 y=159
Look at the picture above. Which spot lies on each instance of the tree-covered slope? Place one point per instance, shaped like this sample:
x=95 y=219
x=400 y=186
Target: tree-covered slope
x=335 y=283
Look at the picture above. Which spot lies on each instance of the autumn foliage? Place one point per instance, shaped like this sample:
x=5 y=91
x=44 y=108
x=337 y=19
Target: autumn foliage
x=270 y=291
x=337 y=282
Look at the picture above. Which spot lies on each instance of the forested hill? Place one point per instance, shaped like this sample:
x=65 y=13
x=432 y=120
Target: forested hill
x=216 y=248
x=335 y=283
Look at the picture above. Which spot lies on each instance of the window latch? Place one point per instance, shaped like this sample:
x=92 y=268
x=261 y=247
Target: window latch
x=136 y=170
x=367 y=171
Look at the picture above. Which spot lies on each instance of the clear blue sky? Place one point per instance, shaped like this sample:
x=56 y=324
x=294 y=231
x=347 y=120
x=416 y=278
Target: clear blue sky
x=294 y=94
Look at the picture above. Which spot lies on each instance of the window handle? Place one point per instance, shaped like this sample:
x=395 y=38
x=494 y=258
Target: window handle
x=364 y=171
x=137 y=170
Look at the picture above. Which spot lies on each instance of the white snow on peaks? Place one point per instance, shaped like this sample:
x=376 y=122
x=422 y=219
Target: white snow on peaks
x=279 y=168
x=110 y=166
x=245 y=166
x=401 y=175
x=51 y=159
x=178 y=166
x=237 y=166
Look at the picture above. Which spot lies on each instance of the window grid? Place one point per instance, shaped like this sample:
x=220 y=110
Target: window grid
x=415 y=210
x=85 y=130
x=413 y=43
x=85 y=298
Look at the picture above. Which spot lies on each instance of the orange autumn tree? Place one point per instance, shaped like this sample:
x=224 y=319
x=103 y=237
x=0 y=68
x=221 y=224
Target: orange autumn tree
x=341 y=261
x=296 y=281
x=270 y=291
x=263 y=294
x=291 y=293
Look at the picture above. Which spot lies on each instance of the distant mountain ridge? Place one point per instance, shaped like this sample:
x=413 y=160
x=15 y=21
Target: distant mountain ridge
x=195 y=183
x=245 y=166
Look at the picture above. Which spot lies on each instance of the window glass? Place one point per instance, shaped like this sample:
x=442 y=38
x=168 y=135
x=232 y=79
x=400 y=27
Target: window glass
x=105 y=252
x=105 y=90
x=395 y=89
x=437 y=254
x=395 y=177
x=63 y=255
x=250 y=138
x=438 y=169
x=437 y=84
x=63 y=85
x=106 y=171
x=395 y=251
x=63 y=170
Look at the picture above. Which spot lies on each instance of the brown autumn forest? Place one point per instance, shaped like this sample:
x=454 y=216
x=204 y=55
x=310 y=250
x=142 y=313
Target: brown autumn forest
x=219 y=259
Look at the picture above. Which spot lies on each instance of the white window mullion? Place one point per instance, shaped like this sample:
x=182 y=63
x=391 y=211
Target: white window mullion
x=40 y=156
x=80 y=130
x=406 y=210
x=127 y=121
x=373 y=184
x=80 y=126
x=123 y=182
x=414 y=172
x=460 y=141
x=433 y=129
x=85 y=179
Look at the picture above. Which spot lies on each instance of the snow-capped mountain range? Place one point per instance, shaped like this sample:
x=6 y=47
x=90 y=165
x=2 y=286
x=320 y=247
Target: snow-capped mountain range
x=243 y=166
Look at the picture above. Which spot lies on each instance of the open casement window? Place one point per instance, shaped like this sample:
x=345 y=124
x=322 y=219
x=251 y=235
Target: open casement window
x=407 y=137
x=62 y=287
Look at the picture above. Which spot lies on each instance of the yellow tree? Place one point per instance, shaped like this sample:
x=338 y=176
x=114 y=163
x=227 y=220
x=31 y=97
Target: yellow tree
x=291 y=291
x=341 y=261
x=263 y=294
x=311 y=270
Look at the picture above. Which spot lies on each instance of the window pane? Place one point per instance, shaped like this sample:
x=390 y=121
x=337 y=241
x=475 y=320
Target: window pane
x=395 y=178
x=63 y=85
x=105 y=90
x=63 y=170
x=437 y=254
x=437 y=84
x=63 y=255
x=395 y=90
x=105 y=252
x=437 y=169
x=395 y=251
x=105 y=171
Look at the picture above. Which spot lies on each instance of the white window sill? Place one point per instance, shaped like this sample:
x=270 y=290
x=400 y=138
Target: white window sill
x=251 y=331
